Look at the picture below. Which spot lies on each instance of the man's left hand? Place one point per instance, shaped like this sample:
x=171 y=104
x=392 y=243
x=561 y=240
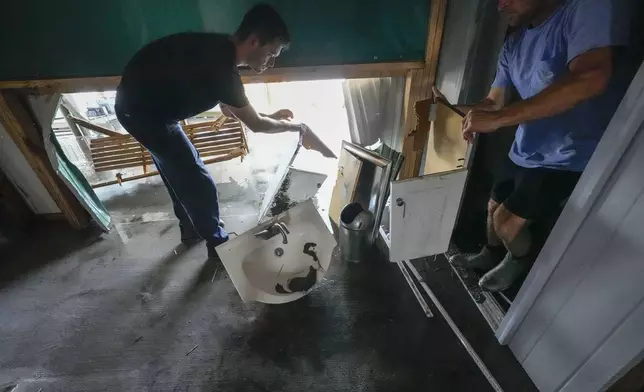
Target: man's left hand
x=282 y=114
x=480 y=121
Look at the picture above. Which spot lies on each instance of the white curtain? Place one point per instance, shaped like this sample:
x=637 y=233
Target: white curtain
x=375 y=110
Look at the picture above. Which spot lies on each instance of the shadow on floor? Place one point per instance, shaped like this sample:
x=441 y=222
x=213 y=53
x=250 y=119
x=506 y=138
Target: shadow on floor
x=39 y=246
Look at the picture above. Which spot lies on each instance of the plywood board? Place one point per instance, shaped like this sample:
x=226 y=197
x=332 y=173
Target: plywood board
x=345 y=186
x=446 y=148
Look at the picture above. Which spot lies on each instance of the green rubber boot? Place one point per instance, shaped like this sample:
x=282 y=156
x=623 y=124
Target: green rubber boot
x=503 y=275
x=484 y=261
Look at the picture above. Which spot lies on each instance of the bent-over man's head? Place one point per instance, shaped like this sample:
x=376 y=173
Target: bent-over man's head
x=261 y=37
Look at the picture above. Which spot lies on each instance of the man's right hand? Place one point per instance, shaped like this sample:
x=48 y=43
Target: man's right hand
x=282 y=114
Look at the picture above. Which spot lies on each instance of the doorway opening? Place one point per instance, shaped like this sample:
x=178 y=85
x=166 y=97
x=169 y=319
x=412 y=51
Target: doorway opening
x=125 y=180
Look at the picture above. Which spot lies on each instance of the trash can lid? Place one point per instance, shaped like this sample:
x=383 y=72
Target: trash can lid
x=354 y=217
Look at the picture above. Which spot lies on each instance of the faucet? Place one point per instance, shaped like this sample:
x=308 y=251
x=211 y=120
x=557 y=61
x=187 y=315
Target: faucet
x=272 y=231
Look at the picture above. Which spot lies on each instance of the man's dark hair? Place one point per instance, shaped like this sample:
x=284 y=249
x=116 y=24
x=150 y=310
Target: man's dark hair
x=266 y=23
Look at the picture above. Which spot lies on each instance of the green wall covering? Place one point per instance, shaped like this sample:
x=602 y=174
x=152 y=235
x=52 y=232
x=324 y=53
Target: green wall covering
x=43 y=39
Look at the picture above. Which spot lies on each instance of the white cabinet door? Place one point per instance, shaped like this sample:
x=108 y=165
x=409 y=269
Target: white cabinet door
x=423 y=214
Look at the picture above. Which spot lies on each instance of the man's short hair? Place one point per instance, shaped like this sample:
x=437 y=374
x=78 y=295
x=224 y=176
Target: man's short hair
x=264 y=21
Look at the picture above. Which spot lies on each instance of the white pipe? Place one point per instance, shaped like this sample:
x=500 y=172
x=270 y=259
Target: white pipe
x=470 y=350
x=415 y=290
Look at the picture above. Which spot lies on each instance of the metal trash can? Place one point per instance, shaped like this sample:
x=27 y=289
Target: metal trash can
x=356 y=224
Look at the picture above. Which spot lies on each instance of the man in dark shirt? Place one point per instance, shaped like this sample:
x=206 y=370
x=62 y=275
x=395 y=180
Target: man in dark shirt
x=182 y=75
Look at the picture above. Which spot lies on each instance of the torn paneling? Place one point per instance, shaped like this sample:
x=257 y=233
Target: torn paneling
x=446 y=149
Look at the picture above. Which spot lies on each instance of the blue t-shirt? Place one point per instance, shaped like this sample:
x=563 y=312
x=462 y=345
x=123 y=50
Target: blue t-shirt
x=532 y=59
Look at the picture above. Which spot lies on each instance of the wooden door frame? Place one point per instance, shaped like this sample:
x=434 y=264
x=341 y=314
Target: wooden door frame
x=418 y=86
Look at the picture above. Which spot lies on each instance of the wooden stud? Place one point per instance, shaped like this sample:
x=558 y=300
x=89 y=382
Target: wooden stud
x=244 y=142
x=418 y=87
x=74 y=85
x=144 y=163
x=97 y=128
x=21 y=127
x=347 y=71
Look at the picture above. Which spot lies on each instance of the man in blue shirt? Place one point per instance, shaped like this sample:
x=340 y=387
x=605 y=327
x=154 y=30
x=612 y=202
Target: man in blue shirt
x=560 y=59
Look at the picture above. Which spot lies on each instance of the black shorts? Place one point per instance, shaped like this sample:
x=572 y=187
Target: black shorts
x=532 y=192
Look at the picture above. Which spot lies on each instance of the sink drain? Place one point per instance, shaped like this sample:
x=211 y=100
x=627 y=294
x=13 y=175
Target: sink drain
x=279 y=252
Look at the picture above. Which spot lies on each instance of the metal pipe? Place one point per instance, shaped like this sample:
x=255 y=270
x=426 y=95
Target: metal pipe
x=365 y=154
x=468 y=347
x=414 y=289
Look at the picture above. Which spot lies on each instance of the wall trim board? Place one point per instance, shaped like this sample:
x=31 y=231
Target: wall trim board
x=418 y=87
x=20 y=125
x=348 y=71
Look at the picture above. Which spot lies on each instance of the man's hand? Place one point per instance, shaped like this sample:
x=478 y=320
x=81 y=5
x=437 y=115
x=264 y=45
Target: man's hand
x=480 y=121
x=282 y=114
x=491 y=103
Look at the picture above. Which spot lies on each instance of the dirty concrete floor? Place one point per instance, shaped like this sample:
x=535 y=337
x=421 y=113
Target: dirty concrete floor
x=133 y=311
x=88 y=312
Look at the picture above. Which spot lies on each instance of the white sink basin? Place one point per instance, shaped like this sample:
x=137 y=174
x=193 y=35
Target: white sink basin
x=261 y=269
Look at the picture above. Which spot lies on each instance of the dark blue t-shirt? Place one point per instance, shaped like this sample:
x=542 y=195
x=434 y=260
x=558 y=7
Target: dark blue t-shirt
x=532 y=59
x=180 y=76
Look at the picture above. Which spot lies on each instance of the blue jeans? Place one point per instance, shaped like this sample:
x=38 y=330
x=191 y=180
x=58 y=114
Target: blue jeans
x=191 y=188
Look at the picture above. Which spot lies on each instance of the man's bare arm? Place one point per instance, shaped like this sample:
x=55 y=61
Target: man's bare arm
x=261 y=123
x=588 y=77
